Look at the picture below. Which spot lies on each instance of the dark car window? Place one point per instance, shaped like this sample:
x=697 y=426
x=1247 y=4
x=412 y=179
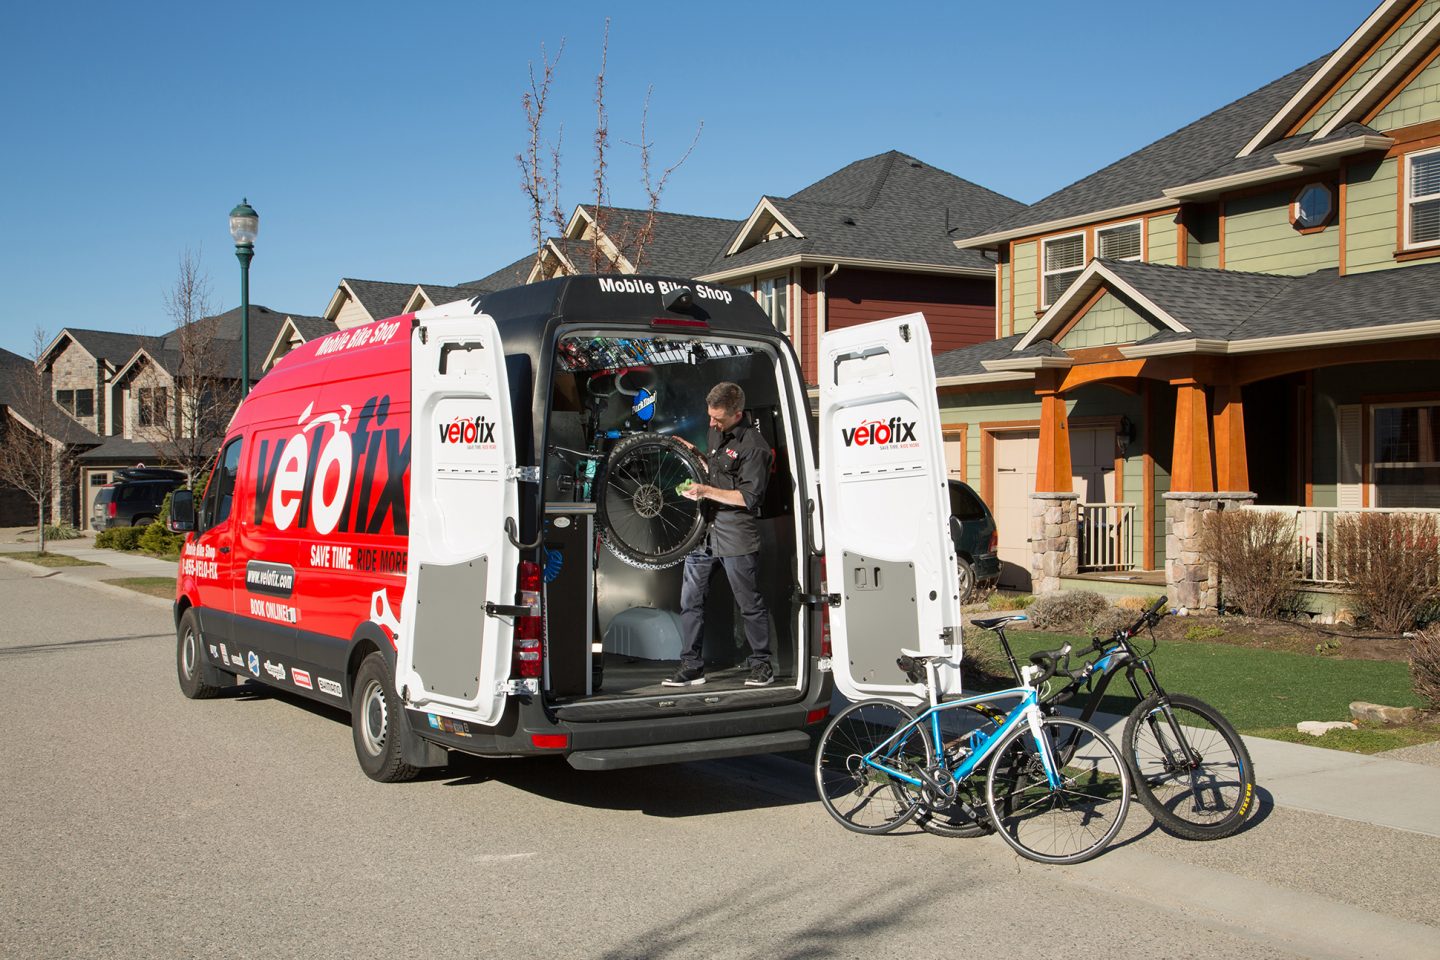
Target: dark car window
x=220 y=494
x=105 y=495
x=964 y=504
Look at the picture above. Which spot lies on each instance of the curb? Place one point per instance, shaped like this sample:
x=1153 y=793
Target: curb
x=97 y=585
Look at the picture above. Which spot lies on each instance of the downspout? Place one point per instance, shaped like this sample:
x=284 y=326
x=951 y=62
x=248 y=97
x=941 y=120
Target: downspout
x=821 y=305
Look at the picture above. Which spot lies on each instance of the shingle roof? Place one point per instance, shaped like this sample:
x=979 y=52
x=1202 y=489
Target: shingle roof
x=1188 y=155
x=380 y=298
x=890 y=207
x=122 y=450
x=439 y=294
x=312 y=327
x=1210 y=303
x=511 y=275
x=680 y=245
x=114 y=348
x=59 y=424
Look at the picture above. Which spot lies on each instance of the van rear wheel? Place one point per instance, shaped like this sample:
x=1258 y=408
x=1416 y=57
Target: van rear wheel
x=373 y=719
x=190 y=659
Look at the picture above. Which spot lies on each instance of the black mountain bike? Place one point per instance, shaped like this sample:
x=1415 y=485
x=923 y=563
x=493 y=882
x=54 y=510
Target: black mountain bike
x=1190 y=768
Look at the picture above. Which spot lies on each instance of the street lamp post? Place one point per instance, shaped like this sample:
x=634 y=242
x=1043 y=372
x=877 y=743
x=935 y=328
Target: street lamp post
x=244 y=225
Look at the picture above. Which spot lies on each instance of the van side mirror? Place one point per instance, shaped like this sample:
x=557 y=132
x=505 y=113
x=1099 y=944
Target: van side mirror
x=182 y=511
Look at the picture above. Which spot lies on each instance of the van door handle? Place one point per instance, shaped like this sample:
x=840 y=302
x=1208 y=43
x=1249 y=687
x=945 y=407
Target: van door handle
x=224 y=549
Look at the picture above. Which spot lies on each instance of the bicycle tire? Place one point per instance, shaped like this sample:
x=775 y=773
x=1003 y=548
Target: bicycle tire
x=1206 y=798
x=642 y=520
x=965 y=816
x=859 y=797
x=1068 y=825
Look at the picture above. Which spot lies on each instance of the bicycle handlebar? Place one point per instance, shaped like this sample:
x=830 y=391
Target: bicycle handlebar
x=1049 y=660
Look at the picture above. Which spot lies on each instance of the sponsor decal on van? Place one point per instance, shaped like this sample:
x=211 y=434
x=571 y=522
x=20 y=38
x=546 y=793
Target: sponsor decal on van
x=322 y=477
x=478 y=432
x=330 y=687
x=276 y=670
x=301 y=678
x=253 y=660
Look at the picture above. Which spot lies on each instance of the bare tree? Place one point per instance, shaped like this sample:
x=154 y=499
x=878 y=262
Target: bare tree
x=33 y=452
x=627 y=236
x=201 y=364
x=542 y=192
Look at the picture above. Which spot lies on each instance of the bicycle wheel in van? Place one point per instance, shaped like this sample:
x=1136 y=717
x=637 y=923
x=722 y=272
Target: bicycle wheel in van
x=643 y=520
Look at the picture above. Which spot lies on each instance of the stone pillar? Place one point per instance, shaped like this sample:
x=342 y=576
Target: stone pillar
x=1054 y=539
x=1190 y=581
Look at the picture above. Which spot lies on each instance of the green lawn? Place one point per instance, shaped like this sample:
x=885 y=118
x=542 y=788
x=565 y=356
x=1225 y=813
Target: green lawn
x=163 y=587
x=1258 y=691
x=48 y=559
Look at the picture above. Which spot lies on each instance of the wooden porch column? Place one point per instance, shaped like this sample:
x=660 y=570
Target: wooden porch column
x=1192 y=469
x=1232 y=471
x=1052 y=461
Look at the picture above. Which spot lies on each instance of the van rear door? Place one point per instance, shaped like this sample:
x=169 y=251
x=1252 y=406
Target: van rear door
x=889 y=560
x=453 y=657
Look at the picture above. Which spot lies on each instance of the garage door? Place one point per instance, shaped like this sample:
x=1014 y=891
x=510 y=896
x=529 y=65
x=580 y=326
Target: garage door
x=1092 y=456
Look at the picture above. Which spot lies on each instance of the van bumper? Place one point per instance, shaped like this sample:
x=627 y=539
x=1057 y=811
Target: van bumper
x=621 y=757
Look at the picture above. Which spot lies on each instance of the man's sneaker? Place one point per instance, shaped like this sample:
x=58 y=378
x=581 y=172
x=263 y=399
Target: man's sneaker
x=686 y=677
x=760 y=676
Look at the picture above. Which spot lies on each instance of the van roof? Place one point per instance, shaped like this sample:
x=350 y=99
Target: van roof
x=622 y=298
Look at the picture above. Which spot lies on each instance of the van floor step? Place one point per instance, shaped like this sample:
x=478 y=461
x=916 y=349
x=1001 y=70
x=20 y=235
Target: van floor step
x=619 y=758
x=683 y=700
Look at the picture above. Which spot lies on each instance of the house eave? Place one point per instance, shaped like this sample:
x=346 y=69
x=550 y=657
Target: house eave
x=977 y=379
x=820 y=260
x=1324 y=152
x=1295 y=341
x=1028 y=363
x=1079 y=220
x=1209 y=189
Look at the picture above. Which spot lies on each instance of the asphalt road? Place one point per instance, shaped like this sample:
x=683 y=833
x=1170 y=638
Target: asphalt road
x=140 y=824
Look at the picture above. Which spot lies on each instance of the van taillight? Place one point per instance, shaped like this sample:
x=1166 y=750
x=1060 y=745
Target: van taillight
x=529 y=630
x=824 y=612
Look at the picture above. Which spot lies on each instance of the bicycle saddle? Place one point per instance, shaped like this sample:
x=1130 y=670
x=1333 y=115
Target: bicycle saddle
x=990 y=623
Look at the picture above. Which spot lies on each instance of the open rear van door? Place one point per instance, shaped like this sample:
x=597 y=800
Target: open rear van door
x=453 y=657
x=889 y=560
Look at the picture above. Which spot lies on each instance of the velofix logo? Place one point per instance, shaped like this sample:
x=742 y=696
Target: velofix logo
x=323 y=477
x=478 y=432
x=877 y=433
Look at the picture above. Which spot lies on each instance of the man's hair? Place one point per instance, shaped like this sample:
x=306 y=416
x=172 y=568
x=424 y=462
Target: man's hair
x=726 y=396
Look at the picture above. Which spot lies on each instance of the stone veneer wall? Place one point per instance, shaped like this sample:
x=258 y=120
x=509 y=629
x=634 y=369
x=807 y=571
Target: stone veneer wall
x=1054 y=539
x=1191 y=582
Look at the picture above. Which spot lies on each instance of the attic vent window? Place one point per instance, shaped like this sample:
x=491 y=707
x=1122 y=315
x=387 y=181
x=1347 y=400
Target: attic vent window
x=1312 y=207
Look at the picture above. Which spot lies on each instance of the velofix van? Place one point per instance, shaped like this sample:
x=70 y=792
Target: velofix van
x=462 y=526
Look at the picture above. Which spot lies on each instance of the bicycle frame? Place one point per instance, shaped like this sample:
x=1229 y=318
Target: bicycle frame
x=1026 y=711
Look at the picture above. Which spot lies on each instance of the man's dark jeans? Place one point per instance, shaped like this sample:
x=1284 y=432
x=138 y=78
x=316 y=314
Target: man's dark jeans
x=743 y=574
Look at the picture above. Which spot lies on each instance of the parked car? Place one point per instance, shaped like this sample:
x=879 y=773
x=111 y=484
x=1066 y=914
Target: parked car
x=135 y=498
x=972 y=527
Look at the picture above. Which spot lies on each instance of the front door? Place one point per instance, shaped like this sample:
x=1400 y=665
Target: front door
x=888 y=555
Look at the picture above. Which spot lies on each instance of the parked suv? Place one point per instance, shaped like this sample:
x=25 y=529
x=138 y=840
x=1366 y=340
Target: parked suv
x=134 y=499
x=973 y=529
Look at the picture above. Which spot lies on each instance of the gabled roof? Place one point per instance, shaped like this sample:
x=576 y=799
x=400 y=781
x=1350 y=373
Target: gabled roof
x=680 y=245
x=378 y=298
x=59 y=424
x=107 y=346
x=1139 y=180
x=889 y=208
x=119 y=449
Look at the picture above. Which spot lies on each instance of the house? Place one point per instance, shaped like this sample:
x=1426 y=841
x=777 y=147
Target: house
x=126 y=391
x=1243 y=313
x=871 y=240
x=18 y=411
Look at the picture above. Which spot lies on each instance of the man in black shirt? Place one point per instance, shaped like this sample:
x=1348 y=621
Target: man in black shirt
x=738 y=467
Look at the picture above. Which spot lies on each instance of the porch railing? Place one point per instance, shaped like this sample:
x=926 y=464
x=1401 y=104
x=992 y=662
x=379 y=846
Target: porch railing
x=1107 y=539
x=1315 y=536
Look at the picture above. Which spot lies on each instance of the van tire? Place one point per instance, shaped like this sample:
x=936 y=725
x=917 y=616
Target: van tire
x=375 y=722
x=965 y=580
x=190 y=665
x=672 y=462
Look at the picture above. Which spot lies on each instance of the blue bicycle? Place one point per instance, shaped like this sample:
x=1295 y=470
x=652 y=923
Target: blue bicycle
x=1055 y=788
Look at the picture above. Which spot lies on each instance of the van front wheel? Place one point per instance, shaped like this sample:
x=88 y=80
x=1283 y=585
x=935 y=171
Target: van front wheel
x=190 y=659
x=373 y=718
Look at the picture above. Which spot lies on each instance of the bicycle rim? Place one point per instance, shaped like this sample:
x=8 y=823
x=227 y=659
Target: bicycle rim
x=858 y=796
x=963 y=815
x=1192 y=771
x=1066 y=825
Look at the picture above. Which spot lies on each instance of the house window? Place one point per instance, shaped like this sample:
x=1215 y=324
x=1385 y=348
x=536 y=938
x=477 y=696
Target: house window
x=1422 y=199
x=1062 y=261
x=1405 y=459
x=773 y=293
x=1312 y=207
x=152 y=406
x=1124 y=241
x=77 y=403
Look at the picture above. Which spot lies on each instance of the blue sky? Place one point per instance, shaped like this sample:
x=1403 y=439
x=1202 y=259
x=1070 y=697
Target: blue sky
x=378 y=140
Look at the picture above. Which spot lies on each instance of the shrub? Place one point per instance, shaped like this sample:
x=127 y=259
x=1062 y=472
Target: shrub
x=157 y=537
x=1068 y=610
x=61 y=531
x=1389 y=564
x=1204 y=634
x=1425 y=665
x=1008 y=601
x=1254 y=553
x=120 y=538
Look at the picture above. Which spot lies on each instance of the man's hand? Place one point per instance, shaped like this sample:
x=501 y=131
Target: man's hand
x=687 y=444
x=696 y=491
